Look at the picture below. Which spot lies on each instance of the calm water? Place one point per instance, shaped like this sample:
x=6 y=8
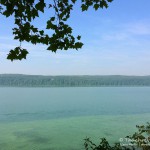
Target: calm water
x=60 y=118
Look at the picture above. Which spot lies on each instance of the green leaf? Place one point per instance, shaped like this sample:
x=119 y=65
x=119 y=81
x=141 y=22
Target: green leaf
x=78 y=45
x=103 y=4
x=35 y=30
x=52 y=47
x=84 y=7
x=40 y=6
x=41 y=32
x=49 y=24
x=78 y=37
x=6 y=13
x=74 y=1
x=52 y=19
x=109 y=0
x=96 y=6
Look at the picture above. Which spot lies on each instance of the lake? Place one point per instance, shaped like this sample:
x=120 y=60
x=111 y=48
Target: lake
x=60 y=118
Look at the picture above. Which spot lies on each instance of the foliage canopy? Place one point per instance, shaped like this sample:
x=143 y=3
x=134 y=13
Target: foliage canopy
x=25 y=11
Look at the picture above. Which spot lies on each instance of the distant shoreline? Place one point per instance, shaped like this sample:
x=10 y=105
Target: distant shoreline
x=17 y=80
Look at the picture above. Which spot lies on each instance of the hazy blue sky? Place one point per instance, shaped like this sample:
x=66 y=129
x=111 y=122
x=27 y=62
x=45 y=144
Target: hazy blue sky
x=116 y=41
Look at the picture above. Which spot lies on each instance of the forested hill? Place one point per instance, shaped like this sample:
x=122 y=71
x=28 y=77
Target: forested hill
x=14 y=80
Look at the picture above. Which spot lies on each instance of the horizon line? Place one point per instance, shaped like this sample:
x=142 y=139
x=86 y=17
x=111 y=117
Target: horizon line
x=71 y=75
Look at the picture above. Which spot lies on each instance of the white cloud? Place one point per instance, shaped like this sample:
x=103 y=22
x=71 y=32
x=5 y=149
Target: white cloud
x=127 y=31
x=139 y=28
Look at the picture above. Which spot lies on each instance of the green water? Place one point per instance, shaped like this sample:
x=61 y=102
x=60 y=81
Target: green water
x=67 y=134
x=60 y=118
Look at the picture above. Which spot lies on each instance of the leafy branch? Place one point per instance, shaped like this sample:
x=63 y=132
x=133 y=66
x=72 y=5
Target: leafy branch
x=25 y=11
x=140 y=140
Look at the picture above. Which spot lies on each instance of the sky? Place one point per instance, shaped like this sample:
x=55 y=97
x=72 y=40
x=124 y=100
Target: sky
x=116 y=42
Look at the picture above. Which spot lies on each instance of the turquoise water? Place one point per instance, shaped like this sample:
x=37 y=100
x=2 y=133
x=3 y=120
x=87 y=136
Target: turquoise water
x=60 y=118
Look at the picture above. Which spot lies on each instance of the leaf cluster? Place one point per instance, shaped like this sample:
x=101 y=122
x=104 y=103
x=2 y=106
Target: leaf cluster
x=96 y=4
x=17 y=53
x=103 y=145
x=139 y=140
x=25 y=11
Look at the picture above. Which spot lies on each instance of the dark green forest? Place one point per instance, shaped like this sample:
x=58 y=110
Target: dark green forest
x=18 y=80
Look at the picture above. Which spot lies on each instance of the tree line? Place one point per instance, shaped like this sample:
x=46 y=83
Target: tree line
x=17 y=80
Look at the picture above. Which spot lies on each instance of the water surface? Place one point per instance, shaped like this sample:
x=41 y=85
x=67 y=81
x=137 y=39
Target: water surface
x=60 y=118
